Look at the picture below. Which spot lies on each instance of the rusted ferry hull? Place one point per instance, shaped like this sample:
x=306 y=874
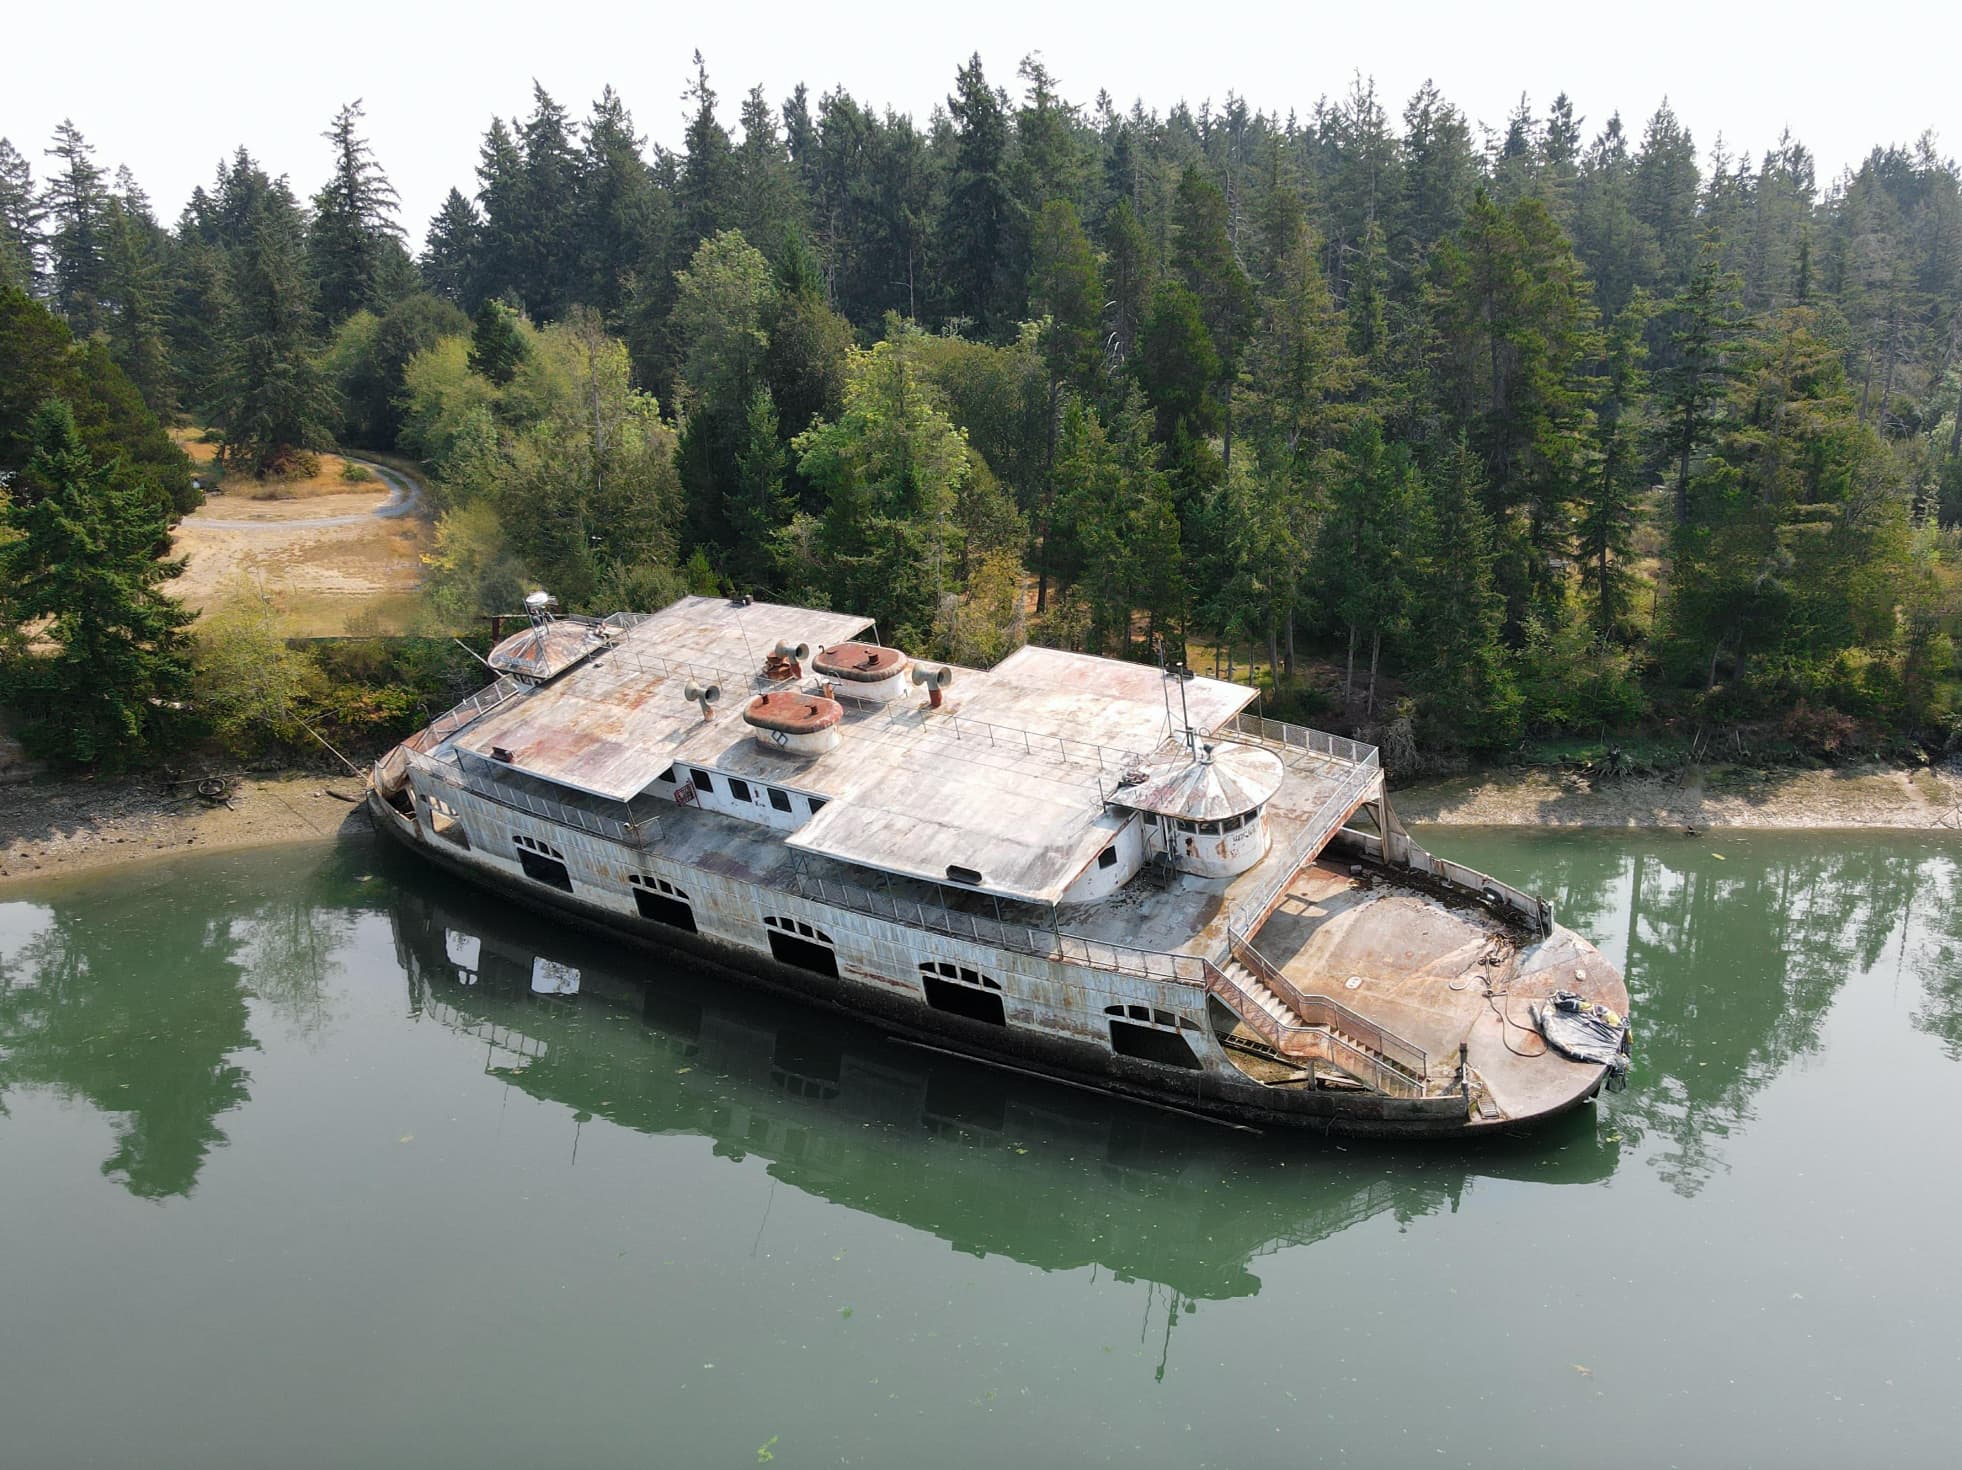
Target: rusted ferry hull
x=1053 y=1011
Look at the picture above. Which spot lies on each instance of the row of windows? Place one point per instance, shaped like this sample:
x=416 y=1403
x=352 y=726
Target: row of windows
x=1207 y=829
x=1136 y=1031
x=739 y=789
x=1151 y=1017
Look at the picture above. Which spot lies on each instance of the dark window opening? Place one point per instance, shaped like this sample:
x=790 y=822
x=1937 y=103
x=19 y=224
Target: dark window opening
x=547 y=870
x=779 y=799
x=957 y=999
x=444 y=823
x=704 y=782
x=1149 y=1044
x=671 y=776
x=739 y=789
x=804 y=954
x=1108 y=857
x=676 y=913
x=963 y=875
x=817 y=804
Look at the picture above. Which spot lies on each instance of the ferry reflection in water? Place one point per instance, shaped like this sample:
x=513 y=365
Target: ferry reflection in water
x=909 y=1134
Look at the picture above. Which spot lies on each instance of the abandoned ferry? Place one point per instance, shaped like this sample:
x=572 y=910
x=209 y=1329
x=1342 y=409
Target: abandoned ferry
x=1104 y=872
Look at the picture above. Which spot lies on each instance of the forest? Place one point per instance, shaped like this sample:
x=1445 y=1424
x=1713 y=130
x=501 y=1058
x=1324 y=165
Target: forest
x=1455 y=437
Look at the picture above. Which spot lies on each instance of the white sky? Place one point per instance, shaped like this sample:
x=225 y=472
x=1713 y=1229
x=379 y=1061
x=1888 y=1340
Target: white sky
x=168 y=90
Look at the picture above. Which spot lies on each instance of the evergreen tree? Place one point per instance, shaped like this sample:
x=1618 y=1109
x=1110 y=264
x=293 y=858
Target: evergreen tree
x=353 y=238
x=1064 y=290
x=1610 y=500
x=86 y=562
x=134 y=301
x=980 y=222
x=619 y=211
x=502 y=246
x=450 y=258
x=497 y=343
x=73 y=201
x=271 y=397
x=548 y=241
x=891 y=468
x=1703 y=326
x=1460 y=659
x=20 y=221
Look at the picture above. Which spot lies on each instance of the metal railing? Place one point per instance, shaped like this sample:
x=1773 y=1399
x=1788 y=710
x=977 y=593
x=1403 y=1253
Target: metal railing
x=1335 y=748
x=1249 y=913
x=467 y=712
x=480 y=780
x=1313 y=1042
x=1322 y=1010
x=1026 y=939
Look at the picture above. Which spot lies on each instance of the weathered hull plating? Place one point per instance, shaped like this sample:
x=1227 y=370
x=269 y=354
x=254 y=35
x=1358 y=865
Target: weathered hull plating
x=1053 y=1012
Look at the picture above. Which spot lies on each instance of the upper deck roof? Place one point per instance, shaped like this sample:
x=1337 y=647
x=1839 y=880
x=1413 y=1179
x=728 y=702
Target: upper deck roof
x=612 y=725
x=1006 y=778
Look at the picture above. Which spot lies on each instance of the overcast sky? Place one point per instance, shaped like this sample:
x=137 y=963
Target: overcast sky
x=169 y=89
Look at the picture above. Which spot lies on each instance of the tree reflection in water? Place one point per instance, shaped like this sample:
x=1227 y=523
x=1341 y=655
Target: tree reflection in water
x=141 y=993
x=135 y=994
x=1735 y=946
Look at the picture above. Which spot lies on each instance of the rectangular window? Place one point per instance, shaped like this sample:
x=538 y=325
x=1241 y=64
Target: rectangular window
x=779 y=799
x=665 y=910
x=547 y=870
x=1108 y=857
x=805 y=954
x=705 y=782
x=963 y=1000
x=1148 y=1044
x=739 y=790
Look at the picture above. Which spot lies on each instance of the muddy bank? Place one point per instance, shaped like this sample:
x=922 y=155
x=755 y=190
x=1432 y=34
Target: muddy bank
x=1712 y=796
x=52 y=828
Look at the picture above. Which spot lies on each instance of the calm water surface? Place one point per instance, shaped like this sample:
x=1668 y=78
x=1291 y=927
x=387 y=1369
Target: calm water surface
x=307 y=1159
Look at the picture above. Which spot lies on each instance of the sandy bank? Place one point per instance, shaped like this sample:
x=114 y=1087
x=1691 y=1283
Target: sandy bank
x=1717 y=796
x=52 y=828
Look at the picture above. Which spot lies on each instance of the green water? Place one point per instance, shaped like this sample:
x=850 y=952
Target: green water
x=298 y=1168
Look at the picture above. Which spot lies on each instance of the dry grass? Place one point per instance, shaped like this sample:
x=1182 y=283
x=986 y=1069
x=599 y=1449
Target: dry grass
x=237 y=487
x=325 y=580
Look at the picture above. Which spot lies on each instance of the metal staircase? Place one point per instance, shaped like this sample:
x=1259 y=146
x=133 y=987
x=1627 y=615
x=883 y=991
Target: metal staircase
x=1314 y=1028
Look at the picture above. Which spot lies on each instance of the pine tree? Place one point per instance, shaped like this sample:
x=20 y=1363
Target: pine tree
x=1461 y=668
x=497 y=343
x=272 y=399
x=134 y=300
x=502 y=246
x=980 y=223
x=1703 y=326
x=1610 y=499
x=86 y=562
x=619 y=209
x=353 y=234
x=1064 y=289
x=450 y=259
x=20 y=221
x=705 y=194
x=73 y=200
x=548 y=243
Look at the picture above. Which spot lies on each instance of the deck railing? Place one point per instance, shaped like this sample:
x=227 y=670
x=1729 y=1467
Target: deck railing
x=465 y=713
x=1322 y=1010
x=1026 y=939
x=1335 y=748
x=1328 y=818
x=1313 y=1042
x=479 y=779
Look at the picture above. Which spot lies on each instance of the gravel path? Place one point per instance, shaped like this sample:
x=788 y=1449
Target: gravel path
x=405 y=498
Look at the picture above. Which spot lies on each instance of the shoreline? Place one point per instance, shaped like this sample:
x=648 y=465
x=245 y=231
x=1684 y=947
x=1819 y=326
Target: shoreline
x=1870 y=796
x=51 y=829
